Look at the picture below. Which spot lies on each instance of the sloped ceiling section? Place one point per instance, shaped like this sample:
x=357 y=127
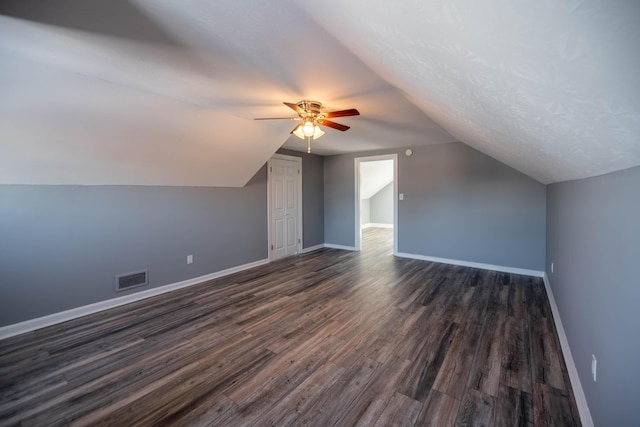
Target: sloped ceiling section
x=548 y=87
x=157 y=92
x=66 y=128
x=92 y=108
x=163 y=92
x=374 y=176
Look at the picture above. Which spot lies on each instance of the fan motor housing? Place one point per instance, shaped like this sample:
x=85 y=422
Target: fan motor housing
x=310 y=107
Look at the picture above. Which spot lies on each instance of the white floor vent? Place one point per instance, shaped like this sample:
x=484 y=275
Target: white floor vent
x=131 y=280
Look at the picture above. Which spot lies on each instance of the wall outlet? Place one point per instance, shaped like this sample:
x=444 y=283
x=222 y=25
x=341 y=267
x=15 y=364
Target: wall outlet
x=594 y=366
x=401 y=196
x=552 y=267
x=189 y=259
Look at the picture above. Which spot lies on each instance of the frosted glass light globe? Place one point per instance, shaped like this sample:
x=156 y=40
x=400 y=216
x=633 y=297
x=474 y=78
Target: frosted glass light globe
x=308 y=129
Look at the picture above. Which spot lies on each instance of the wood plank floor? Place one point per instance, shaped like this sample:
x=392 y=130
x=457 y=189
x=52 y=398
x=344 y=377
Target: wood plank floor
x=327 y=338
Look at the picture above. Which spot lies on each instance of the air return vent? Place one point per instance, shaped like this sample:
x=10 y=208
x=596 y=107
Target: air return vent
x=131 y=280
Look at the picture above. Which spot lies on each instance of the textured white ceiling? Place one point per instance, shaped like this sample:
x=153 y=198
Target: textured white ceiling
x=548 y=87
x=156 y=92
x=162 y=92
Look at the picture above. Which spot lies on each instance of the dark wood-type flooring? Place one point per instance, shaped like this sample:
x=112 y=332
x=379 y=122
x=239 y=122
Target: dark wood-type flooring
x=327 y=338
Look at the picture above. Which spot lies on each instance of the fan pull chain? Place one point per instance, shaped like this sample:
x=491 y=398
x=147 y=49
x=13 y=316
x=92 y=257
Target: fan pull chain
x=308 y=144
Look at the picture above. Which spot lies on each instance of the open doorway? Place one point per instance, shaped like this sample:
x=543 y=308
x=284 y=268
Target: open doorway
x=376 y=206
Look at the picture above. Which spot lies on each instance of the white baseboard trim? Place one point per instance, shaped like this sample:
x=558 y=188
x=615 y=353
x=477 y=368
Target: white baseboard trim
x=376 y=225
x=576 y=385
x=312 y=248
x=482 y=266
x=345 y=248
x=74 y=313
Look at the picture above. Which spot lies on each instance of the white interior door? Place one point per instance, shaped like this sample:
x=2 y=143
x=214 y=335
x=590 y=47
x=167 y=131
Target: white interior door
x=285 y=208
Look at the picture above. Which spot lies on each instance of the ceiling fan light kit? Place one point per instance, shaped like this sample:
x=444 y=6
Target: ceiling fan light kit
x=312 y=118
x=308 y=128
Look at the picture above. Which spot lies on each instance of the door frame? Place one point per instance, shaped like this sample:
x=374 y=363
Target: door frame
x=358 y=229
x=298 y=161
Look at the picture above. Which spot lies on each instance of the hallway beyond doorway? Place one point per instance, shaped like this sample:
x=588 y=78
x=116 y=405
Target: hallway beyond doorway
x=377 y=239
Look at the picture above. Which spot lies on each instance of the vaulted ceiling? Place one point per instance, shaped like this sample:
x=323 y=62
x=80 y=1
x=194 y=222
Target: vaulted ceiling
x=163 y=92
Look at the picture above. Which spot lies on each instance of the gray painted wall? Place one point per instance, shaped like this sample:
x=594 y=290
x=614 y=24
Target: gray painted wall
x=339 y=200
x=381 y=206
x=312 y=197
x=63 y=245
x=365 y=211
x=464 y=205
x=459 y=204
x=593 y=239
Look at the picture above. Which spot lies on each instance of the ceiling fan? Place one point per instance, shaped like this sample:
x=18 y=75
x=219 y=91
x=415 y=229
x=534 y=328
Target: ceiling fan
x=312 y=118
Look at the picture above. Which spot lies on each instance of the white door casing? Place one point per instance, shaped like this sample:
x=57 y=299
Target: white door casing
x=285 y=207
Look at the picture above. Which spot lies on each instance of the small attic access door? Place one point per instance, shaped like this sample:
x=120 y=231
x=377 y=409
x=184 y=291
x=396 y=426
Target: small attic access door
x=285 y=206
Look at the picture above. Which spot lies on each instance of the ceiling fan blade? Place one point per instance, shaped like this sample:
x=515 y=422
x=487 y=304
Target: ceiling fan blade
x=295 y=108
x=295 y=128
x=334 y=125
x=343 y=113
x=277 y=118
